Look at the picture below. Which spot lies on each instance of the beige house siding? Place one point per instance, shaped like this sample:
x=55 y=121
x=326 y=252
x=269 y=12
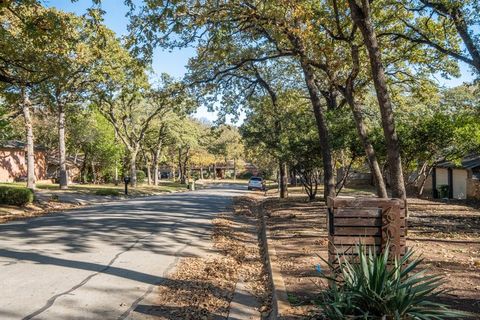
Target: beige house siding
x=473 y=189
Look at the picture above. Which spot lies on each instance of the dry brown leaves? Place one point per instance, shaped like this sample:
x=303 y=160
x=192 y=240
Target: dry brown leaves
x=202 y=288
x=199 y=289
x=11 y=213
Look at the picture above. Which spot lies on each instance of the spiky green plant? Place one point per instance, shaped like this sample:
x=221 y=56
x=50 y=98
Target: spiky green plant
x=372 y=288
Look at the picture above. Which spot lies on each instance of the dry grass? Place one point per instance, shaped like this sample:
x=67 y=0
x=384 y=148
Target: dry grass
x=140 y=190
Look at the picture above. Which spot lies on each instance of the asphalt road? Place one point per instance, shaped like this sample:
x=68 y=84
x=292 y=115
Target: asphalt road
x=103 y=261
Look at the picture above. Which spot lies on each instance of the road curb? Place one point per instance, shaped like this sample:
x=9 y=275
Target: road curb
x=280 y=305
x=243 y=305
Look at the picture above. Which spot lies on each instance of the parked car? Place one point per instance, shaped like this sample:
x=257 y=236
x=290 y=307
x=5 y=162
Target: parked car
x=256 y=183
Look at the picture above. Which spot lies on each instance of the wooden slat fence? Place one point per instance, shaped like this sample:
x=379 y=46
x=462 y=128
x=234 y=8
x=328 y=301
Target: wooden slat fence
x=374 y=222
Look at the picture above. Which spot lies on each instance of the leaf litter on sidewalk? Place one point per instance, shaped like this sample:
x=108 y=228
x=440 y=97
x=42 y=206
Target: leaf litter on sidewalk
x=203 y=287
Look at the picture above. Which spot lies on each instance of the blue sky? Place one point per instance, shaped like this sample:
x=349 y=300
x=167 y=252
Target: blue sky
x=174 y=62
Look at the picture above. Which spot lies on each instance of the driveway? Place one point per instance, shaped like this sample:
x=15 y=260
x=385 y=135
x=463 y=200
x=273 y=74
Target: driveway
x=102 y=261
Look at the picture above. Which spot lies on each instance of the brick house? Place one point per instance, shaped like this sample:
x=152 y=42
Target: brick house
x=13 y=165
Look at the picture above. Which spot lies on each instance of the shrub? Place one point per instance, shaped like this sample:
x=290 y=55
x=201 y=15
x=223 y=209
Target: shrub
x=443 y=191
x=107 y=192
x=369 y=289
x=196 y=175
x=15 y=196
x=141 y=176
x=246 y=175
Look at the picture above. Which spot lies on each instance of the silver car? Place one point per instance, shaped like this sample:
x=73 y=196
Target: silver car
x=256 y=183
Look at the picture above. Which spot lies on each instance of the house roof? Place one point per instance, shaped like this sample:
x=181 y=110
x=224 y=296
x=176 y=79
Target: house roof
x=468 y=162
x=17 y=144
x=53 y=160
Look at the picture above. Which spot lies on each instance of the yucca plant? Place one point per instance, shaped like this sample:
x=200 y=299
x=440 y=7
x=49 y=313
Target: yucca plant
x=372 y=288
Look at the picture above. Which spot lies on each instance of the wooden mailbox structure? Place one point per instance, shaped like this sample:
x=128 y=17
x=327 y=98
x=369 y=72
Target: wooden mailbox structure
x=374 y=222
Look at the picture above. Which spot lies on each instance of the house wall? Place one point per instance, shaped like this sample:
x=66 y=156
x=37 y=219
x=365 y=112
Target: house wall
x=462 y=184
x=442 y=178
x=13 y=165
x=73 y=172
x=355 y=178
x=427 y=189
x=473 y=187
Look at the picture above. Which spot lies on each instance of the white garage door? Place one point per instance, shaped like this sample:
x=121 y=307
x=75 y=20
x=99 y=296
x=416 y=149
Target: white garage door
x=459 y=184
x=442 y=177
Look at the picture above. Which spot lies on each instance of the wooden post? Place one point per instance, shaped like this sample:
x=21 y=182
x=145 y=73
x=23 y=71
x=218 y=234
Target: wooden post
x=391 y=230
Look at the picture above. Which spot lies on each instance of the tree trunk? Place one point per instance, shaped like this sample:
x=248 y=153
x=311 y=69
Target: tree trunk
x=83 y=170
x=184 y=177
x=329 y=181
x=282 y=180
x=214 y=171
x=234 y=169
x=94 y=173
x=133 y=168
x=156 y=157
x=361 y=17
x=155 y=173
x=149 y=174
x=26 y=104
x=156 y=154
x=462 y=29
x=201 y=172
x=148 y=167
x=62 y=153
x=367 y=146
x=116 y=163
x=424 y=180
x=181 y=177
x=116 y=173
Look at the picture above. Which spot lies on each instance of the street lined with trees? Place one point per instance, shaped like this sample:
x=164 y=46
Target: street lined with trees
x=330 y=93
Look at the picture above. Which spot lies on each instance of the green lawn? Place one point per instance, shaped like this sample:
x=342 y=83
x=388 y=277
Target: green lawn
x=108 y=189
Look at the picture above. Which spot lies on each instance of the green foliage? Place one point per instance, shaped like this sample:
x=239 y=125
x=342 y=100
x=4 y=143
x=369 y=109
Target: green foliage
x=442 y=126
x=15 y=196
x=141 y=176
x=245 y=175
x=368 y=288
x=107 y=192
x=92 y=136
x=32 y=37
x=443 y=190
x=6 y=128
x=227 y=142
